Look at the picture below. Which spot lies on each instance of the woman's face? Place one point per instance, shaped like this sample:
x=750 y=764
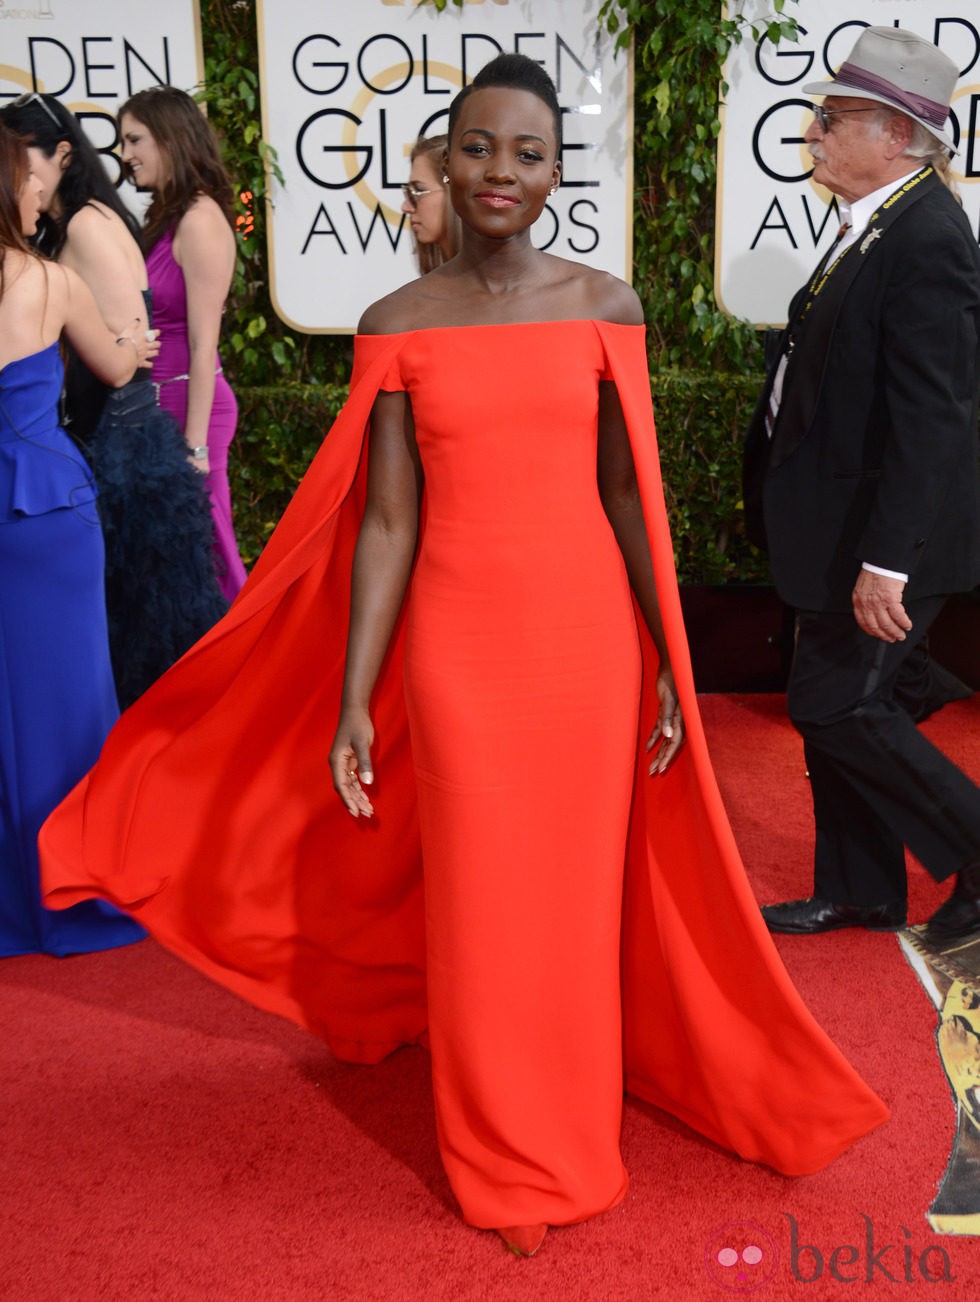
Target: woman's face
x=140 y=154
x=29 y=203
x=49 y=172
x=427 y=213
x=502 y=160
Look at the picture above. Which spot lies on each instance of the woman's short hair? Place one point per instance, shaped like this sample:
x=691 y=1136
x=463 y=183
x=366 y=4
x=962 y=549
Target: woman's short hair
x=516 y=72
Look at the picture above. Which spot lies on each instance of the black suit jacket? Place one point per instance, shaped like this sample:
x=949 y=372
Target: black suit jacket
x=874 y=455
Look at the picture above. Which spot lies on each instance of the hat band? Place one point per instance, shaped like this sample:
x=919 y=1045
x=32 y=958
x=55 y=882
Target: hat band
x=929 y=110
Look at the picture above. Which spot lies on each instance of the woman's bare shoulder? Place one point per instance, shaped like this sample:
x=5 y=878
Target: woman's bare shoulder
x=204 y=243
x=612 y=299
x=203 y=219
x=58 y=281
x=23 y=278
x=39 y=284
x=582 y=291
x=94 y=228
x=397 y=312
x=94 y=216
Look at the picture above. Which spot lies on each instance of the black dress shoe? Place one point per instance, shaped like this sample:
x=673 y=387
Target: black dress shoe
x=808 y=917
x=960 y=915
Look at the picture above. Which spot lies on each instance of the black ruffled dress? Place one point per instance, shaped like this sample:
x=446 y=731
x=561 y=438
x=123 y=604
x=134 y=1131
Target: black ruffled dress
x=161 y=590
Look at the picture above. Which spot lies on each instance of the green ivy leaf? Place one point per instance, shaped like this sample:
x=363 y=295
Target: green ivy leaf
x=662 y=97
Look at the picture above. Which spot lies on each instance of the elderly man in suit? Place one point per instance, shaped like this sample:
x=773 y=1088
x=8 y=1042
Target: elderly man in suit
x=861 y=474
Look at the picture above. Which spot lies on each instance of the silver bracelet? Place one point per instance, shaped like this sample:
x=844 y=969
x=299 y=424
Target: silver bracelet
x=199 y=453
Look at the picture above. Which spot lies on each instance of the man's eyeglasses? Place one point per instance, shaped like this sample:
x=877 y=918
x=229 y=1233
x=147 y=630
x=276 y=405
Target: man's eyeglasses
x=413 y=194
x=32 y=97
x=823 y=115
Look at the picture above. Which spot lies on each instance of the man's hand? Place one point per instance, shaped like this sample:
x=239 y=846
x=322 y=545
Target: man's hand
x=878 y=609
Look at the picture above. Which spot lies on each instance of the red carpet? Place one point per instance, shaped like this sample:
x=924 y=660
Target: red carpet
x=161 y=1140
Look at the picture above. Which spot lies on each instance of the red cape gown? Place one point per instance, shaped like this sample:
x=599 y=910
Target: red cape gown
x=211 y=817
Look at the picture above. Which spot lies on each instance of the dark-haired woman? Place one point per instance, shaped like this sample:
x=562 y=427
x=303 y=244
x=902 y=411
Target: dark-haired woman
x=525 y=889
x=161 y=589
x=57 y=701
x=189 y=234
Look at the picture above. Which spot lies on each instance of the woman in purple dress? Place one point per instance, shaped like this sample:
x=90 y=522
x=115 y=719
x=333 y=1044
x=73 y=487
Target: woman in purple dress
x=169 y=149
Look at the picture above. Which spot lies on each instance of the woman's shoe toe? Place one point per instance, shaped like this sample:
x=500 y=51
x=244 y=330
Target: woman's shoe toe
x=524 y=1240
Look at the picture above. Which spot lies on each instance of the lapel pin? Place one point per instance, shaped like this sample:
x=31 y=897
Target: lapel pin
x=874 y=234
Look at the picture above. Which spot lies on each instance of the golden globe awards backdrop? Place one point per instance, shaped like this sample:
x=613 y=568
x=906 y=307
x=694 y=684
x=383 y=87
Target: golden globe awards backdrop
x=347 y=89
x=94 y=54
x=772 y=221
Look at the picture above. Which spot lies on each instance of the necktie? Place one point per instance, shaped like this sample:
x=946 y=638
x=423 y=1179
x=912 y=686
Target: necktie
x=844 y=228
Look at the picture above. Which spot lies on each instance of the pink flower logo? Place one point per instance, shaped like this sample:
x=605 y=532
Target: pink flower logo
x=741 y=1256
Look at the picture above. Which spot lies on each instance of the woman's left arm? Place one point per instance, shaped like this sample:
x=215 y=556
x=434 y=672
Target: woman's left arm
x=204 y=248
x=621 y=501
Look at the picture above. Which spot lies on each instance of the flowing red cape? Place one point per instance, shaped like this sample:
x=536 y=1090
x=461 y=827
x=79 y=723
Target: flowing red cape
x=210 y=816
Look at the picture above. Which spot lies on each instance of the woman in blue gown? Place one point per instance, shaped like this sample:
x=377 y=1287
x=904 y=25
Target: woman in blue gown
x=57 y=700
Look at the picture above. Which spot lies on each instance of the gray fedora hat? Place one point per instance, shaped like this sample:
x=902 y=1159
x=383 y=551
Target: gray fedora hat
x=901 y=69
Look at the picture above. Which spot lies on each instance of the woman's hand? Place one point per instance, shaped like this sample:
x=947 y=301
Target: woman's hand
x=153 y=346
x=669 y=729
x=146 y=344
x=350 y=761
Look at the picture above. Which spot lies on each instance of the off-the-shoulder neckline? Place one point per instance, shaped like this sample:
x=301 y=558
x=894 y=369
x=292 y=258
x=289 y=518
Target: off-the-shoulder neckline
x=503 y=325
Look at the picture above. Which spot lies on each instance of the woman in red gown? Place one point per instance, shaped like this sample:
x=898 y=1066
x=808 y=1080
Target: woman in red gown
x=522 y=889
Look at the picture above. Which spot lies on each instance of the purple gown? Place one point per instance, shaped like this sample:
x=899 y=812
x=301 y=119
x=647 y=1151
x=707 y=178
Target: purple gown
x=170 y=368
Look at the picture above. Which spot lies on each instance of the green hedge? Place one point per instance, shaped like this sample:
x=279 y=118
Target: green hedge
x=279 y=431
x=700 y=421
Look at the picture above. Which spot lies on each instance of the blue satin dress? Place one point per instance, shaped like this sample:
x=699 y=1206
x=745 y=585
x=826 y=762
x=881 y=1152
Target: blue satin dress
x=57 y=700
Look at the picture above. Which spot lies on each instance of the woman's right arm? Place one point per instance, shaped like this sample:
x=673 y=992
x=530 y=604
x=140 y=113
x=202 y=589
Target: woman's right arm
x=112 y=358
x=382 y=565
x=204 y=249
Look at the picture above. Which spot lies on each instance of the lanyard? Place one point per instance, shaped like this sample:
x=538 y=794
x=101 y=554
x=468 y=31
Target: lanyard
x=872 y=233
